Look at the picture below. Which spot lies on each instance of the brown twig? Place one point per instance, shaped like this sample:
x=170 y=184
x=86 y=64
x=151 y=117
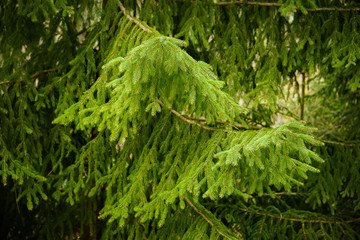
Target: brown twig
x=50 y=172
x=302 y=96
x=198 y=211
x=44 y=71
x=6 y=82
x=282 y=194
x=133 y=19
x=303 y=228
x=17 y=202
x=203 y=216
x=250 y=3
x=261 y=228
x=229 y=124
x=191 y=122
x=281 y=5
x=333 y=9
x=341 y=143
x=296 y=219
x=32 y=76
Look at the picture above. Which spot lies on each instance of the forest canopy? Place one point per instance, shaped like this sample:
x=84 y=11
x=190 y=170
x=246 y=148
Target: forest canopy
x=179 y=119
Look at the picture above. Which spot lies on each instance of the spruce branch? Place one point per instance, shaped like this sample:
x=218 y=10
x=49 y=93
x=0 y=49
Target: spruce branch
x=229 y=124
x=303 y=229
x=32 y=76
x=199 y=212
x=137 y=22
x=191 y=122
x=294 y=219
x=282 y=194
x=302 y=96
x=189 y=119
x=263 y=4
x=205 y=218
x=341 y=143
x=44 y=71
x=261 y=228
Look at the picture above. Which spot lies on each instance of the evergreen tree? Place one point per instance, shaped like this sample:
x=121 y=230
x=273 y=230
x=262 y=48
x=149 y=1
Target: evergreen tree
x=127 y=119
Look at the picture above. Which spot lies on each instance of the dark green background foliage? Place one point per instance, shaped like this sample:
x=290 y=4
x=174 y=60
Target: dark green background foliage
x=174 y=119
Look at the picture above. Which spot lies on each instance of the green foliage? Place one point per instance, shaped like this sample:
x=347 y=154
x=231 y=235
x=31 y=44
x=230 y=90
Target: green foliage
x=122 y=121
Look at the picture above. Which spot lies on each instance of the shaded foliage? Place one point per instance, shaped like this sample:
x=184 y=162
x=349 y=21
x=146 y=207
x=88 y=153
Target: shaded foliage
x=122 y=121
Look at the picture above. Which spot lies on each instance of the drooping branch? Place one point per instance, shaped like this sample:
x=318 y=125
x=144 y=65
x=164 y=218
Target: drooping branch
x=294 y=219
x=44 y=71
x=32 y=76
x=263 y=4
x=190 y=121
x=341 y=143
x=229 y=124
x=204 y=217
x=282 y=194
x=133 y=19
x=250 y=3
x=13 y=81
